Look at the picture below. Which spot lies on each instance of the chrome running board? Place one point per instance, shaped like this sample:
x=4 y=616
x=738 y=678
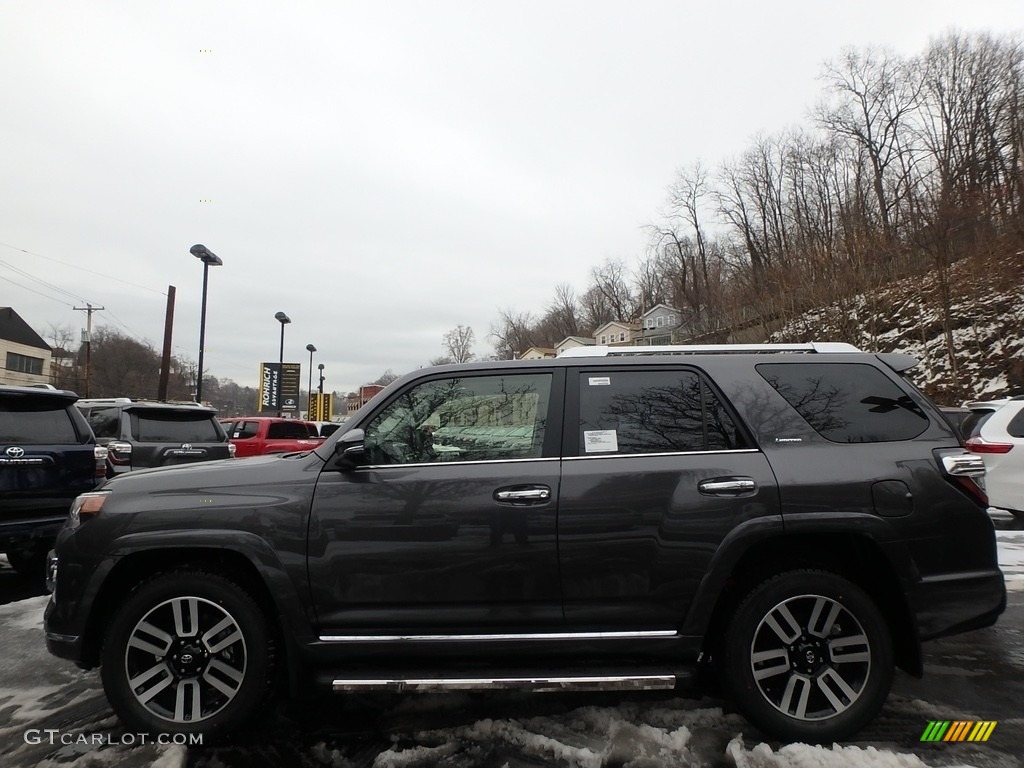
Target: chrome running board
x=568 y=683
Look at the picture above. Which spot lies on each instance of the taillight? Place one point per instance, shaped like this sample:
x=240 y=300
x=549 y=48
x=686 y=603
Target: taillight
x=120 y=454
x=232 y=449
x=100 y=453
x=978 y=444
x=967 y=471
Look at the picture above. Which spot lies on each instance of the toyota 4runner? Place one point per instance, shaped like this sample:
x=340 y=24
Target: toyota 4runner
x=48 y=456
x=140 y=434
x=799 y=517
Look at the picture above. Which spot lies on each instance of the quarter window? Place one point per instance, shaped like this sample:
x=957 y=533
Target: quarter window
x=473 y=418
x=631 y=412
x=847 y=402
x=1016 y=426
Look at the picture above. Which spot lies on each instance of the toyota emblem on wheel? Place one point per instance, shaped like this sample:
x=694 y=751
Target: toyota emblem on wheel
x=15 y=452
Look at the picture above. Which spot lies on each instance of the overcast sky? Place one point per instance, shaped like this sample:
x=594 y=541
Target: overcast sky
x=380 y=171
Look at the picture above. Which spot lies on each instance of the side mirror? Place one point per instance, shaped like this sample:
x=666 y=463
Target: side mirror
x=349 y=450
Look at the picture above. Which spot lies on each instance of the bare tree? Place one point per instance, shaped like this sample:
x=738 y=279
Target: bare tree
x=609 y=281
x=875 y=98
x=512 y=333
x=63 y=366
x=458 y=343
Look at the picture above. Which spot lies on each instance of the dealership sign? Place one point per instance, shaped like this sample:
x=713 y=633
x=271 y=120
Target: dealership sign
x=279 y=386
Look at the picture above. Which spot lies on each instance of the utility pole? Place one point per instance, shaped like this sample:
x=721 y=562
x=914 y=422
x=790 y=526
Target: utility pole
x=165 y=360
x=88 y=309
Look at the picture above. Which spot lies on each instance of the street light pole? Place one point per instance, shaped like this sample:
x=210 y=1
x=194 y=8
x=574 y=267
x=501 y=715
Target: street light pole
x=209 y=259
x=309 y=387
x=321 y=387
x=283 y=319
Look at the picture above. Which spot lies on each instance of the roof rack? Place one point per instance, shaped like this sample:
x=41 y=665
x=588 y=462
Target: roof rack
x=829 y=347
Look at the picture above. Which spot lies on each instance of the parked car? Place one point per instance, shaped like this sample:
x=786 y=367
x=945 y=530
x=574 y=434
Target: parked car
x=140 y=434
x=797 y=518
x=995 y=431
x=48 y=456
x=956 y=416
x=261 y=435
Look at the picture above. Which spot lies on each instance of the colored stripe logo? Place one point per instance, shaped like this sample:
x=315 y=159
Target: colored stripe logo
x=958 y=730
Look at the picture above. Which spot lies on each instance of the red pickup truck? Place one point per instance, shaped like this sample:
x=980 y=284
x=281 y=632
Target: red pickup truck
x=258 y=435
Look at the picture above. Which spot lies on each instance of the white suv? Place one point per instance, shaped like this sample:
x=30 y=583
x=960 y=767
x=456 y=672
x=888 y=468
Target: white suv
x=995 y=430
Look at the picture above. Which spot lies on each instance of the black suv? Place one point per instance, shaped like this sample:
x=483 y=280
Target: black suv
x=139 y=434
x=47 y=457
x=798 y=517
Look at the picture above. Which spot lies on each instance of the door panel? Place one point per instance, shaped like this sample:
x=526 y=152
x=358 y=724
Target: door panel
x=637 y=534
x=658 y=472
x=450 y=527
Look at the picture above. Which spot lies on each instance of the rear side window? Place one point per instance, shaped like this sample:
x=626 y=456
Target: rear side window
x=243 y=430
x=35 y=422
x=847 y=402
x=972 y=424
x=286 y=430
x=175 y=427
x=655 y=411
x=105 y=422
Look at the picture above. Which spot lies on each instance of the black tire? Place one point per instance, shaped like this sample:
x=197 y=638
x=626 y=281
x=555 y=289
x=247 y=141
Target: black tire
x=198 y=649
x=808 y=657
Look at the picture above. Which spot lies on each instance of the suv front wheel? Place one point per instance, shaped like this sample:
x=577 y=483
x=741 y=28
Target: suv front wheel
x=188 y=652
x=808 y=657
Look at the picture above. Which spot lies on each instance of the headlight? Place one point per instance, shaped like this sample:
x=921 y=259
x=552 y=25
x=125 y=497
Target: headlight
x=86 y=506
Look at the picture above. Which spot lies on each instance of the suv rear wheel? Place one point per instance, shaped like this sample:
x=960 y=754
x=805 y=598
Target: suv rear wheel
x=808 y=657
x=187 y=652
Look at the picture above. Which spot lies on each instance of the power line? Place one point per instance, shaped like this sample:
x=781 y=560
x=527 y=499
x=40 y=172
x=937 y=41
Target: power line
x=82 y=269
x=33 y=290
x=35 y=279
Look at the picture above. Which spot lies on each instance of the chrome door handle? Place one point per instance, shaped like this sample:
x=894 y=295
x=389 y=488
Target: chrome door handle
x=727 y=486
x=530 y=494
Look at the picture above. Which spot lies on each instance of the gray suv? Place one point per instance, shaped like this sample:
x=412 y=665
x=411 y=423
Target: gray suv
x=798 y=518
x=140 y=434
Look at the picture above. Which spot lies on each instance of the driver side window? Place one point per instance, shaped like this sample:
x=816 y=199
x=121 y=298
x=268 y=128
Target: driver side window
x=471 y=418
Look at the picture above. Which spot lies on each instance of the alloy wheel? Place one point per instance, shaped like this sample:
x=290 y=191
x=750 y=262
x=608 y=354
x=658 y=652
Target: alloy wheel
x=186 y=659
x=810 y=657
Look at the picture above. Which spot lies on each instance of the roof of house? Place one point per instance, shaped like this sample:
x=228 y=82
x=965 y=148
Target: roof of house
x=585 y=340
x=619 y=323
x=13 y=328
x=660 y=307
x=546 y=351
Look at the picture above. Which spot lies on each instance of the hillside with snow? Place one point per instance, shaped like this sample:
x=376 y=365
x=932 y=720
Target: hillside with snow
x=986 y=327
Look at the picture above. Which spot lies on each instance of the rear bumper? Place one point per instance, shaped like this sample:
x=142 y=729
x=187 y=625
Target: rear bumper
x=40 y=530
x=958 y=602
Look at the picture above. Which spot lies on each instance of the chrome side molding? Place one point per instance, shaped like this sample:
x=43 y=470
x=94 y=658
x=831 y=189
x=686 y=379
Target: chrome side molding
x=537 y=684
x=652 y=634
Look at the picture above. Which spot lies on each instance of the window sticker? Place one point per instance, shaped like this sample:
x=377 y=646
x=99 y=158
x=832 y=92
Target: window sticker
x=600 y=381
x=600 y=441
